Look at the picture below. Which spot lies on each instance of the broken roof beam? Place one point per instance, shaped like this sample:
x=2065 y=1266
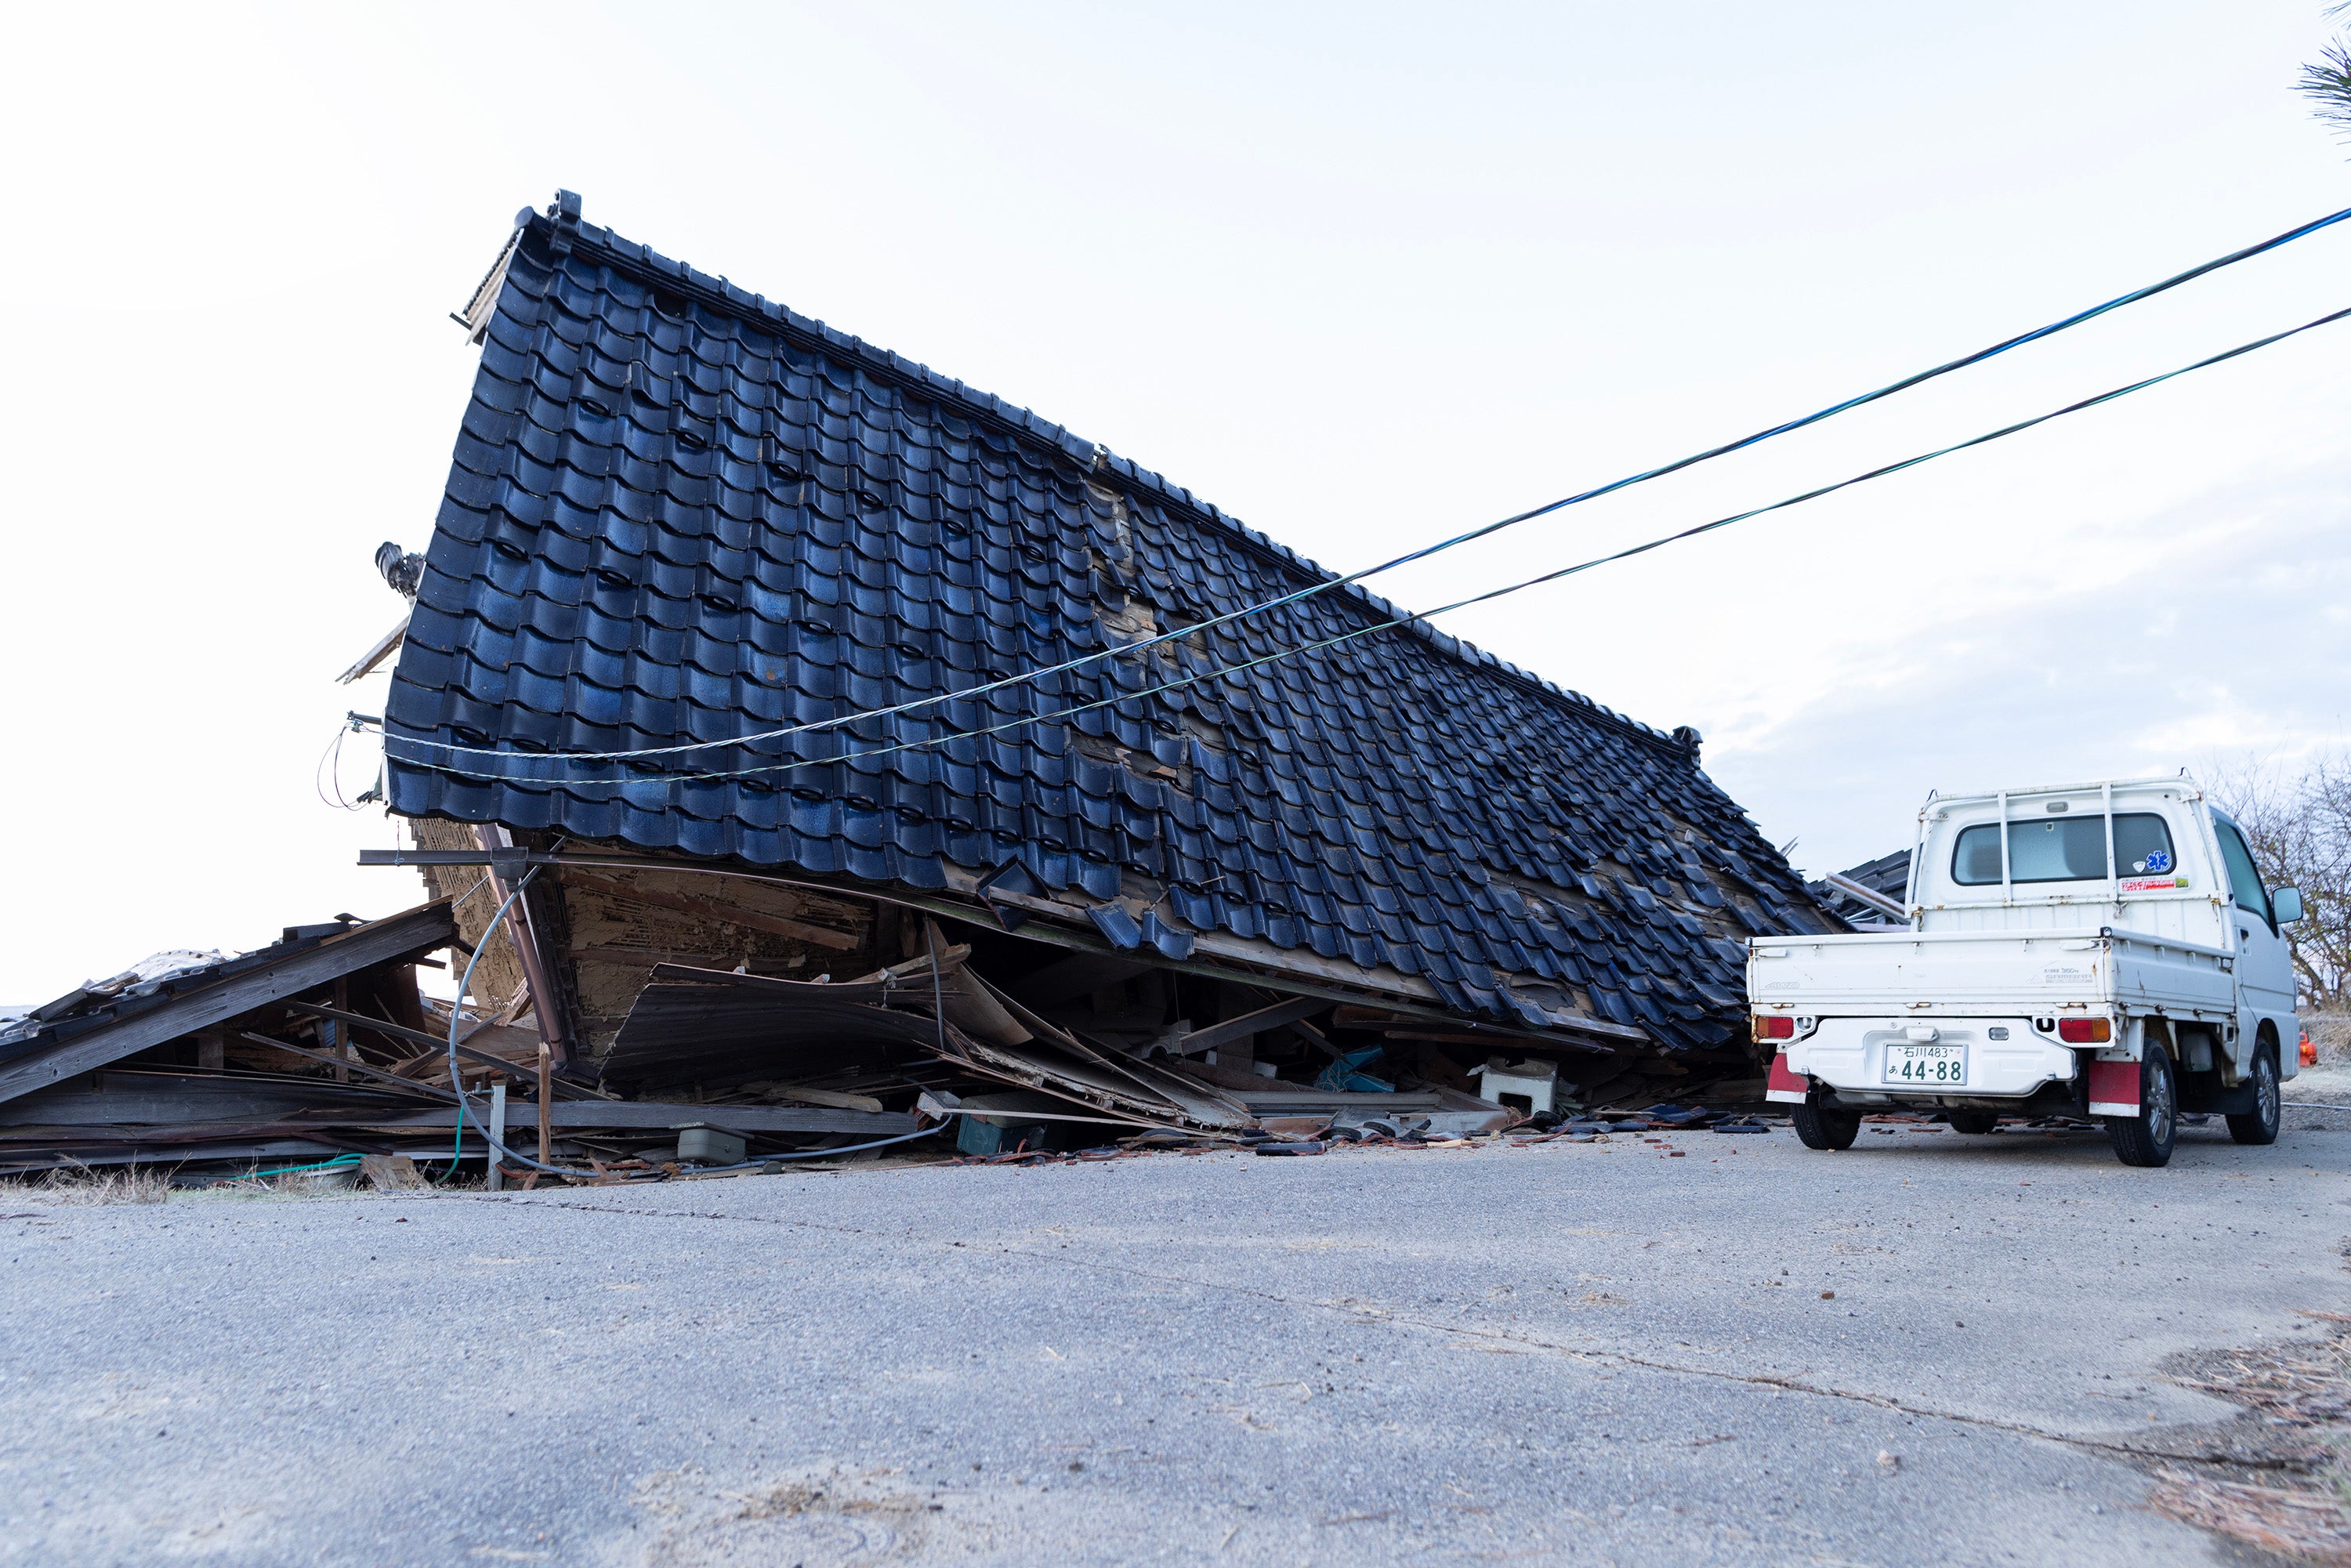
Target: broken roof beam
x=385 y=646
x=1248 y=1026
x=548 y=1004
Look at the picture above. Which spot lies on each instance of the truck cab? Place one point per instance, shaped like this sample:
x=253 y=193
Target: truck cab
x=2103 y=950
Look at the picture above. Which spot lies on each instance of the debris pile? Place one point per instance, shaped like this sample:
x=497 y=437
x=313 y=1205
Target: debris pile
x=321 y=1053
x=808 y=754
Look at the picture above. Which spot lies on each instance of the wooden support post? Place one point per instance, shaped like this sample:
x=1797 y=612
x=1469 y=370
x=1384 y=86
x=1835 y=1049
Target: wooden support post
x=212 y=1050
x=546 y=1103
x=338 y=1033
x=497 y=1132
x=536 y=961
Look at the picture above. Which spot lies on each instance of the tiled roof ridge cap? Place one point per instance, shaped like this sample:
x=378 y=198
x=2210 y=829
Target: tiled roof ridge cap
x=570 y=233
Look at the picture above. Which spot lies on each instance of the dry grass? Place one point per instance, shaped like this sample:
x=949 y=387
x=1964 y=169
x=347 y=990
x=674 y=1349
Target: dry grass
x=2305 y=1389
x=304 y=1185
x=89 y=1184
x=115 y=1185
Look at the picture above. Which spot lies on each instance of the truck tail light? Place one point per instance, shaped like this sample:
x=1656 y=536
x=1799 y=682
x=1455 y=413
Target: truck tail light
x=2084 y=1032
x=1775 y=1027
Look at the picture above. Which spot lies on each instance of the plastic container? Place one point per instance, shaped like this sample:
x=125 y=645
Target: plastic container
x=709 y=1146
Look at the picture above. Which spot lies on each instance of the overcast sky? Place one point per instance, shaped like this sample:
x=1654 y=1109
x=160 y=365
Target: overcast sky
x=1363 y=275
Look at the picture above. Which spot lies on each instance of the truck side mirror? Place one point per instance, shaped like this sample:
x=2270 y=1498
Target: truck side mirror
x=2287 y=903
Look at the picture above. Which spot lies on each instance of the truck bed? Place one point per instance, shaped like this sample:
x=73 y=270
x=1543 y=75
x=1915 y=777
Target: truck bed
x=2006 y=972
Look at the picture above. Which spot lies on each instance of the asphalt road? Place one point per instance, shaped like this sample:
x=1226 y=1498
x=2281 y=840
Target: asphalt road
x=1573 y=1353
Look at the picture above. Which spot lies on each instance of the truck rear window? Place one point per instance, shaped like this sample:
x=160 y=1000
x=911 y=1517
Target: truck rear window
x=2064 y=849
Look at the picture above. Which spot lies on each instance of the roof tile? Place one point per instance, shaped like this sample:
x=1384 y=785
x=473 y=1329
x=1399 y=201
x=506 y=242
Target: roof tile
x=699 y=515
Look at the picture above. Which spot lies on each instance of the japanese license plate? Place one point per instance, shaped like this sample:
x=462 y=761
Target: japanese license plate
x=1927 y=1066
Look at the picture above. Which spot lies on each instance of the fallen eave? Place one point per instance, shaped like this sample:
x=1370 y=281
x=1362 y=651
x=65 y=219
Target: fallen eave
x=62 y=1051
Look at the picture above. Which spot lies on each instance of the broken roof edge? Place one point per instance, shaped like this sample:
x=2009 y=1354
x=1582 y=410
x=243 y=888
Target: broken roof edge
x=567 y=234
x=264 y=976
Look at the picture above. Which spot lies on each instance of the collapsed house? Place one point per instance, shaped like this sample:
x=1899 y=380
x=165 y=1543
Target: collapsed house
x=683 y=522
x=1871 y=897
x=668 y=693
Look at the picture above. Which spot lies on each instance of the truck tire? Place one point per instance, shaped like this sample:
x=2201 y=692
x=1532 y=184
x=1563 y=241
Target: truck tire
x=2147 y=1138
x=1977 y=1122
x=1821 y=1129
x=2260 y=1124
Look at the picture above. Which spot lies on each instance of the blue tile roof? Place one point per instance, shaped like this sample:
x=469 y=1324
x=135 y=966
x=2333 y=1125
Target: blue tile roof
x=680 y=512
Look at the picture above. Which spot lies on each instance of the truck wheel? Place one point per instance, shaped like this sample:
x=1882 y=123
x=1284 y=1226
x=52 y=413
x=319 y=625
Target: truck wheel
x=1821 y=1129
x=1978 y=1122
x=2260 y=1124
x=2147 y=1138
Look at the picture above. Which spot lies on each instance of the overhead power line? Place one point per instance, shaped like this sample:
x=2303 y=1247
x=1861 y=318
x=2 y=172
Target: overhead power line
x=645 y=780
x=933 y=699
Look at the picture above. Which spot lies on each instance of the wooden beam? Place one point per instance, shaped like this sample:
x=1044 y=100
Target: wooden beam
x=713 y=909
x=170 y=1105
x=423 y=1090
x=545 y=1098
x=497 y=1139
x=1248 y=1024
x=397 y=1031
x=418 y=930
x=438 y=1048
x=658 y=1115
x=547 y=1002
x=622 y=957
x=832 y=1097
x=151 y=1111
x=771 y=985
x=382 y=650
x=920 y=965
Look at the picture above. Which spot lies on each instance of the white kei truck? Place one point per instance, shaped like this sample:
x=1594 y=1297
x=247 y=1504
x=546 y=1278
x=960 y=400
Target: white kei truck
x=2103 y=951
